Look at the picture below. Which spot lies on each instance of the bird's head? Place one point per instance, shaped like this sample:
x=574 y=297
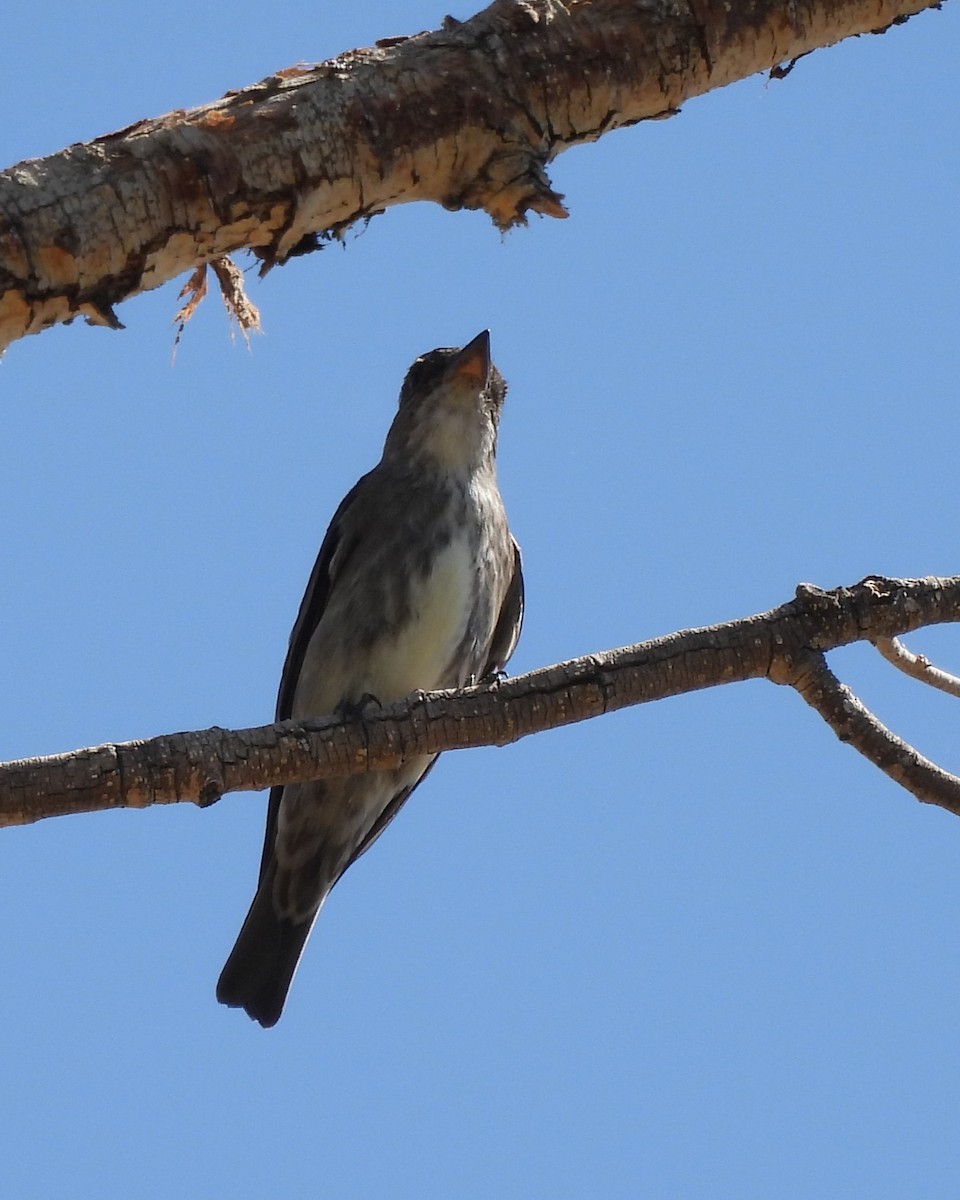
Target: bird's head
x=450 y=407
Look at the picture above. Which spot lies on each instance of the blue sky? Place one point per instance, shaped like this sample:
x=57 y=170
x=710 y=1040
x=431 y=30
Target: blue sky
x=693 y=949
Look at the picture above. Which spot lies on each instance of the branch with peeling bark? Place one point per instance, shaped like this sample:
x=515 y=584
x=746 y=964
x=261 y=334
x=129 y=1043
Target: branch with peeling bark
x=468 y=116
x=785 y=645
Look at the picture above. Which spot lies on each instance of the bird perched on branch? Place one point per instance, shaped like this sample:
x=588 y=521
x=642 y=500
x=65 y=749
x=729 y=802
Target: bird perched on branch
x=418 y=586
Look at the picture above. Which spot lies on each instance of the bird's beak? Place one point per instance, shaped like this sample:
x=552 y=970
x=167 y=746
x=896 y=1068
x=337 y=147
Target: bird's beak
x=472 y=364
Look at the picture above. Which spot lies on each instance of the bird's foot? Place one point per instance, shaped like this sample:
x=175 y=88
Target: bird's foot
x=356 y=708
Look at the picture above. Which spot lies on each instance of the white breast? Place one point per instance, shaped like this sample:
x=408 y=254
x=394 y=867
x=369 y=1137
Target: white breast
x=440 y=604
x=414 y=658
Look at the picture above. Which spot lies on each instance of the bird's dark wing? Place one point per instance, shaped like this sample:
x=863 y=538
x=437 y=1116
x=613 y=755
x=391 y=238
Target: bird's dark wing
x=312 y=608
x=507 y=630
x=315 y=598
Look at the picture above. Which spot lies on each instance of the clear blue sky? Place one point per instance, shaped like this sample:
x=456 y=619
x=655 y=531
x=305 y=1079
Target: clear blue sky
x=698 y=949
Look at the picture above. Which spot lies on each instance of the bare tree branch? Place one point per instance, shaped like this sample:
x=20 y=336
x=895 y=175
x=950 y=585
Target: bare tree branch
x=854 y=724
x=779 y=645
x=468 y=117
x=916 y=666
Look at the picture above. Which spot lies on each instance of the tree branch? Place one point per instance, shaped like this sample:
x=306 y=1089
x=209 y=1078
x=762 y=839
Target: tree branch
x=856 y=725
x=468 y=117
x=779 y=645
x=917 y=666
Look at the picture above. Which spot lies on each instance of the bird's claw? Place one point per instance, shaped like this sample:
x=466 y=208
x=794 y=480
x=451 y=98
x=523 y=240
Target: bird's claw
x=356 y=708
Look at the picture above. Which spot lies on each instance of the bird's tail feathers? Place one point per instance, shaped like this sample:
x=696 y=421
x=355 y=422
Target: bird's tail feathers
x=262 y=964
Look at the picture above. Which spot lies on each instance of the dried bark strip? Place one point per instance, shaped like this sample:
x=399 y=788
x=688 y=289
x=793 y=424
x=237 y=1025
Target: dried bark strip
x=468 y=116
x=200 y=766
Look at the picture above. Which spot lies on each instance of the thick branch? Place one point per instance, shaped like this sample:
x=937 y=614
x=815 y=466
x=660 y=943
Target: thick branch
x=468 y=117
x=199 y=767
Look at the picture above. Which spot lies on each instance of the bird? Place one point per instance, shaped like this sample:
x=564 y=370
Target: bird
x=418 y=586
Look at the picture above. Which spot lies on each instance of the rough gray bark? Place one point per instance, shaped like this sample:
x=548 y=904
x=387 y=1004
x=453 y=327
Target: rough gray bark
x=468 y=116
x=786 y=645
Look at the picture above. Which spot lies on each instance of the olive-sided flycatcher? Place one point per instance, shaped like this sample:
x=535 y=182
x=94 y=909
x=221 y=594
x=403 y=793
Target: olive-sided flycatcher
x=417 y=586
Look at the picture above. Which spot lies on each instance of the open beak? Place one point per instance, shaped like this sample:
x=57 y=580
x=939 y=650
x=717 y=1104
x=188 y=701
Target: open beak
x=472 y=364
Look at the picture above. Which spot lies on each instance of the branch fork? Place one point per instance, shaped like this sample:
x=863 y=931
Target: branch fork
x=786 y=645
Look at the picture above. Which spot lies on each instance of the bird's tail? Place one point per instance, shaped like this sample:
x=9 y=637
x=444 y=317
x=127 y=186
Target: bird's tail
x=261 y=966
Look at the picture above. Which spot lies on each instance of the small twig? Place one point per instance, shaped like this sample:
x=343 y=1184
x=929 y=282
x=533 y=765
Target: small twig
x=853 y=722
x=917 y=666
